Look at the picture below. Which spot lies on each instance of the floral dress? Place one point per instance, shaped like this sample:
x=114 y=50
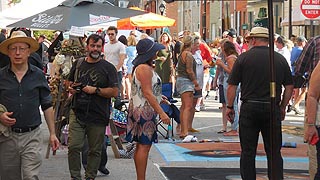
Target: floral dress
x=142 y=118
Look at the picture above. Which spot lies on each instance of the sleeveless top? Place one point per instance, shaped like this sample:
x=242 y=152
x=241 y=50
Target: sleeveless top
x=165 y=69
x=225 y=74
x=141 y=125
x=182 y=68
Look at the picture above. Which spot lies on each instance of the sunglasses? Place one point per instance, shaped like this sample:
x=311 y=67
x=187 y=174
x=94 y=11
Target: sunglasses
x=110 y=34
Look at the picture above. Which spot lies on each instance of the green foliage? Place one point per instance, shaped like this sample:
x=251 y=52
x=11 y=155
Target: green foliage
x=47 y=33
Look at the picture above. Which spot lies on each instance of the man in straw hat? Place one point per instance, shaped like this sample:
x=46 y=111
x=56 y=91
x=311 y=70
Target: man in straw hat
x=23 y=88
x=251 y=70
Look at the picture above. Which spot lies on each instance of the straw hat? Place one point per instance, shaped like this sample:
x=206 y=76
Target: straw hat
x=19 y=37
x=259 y=32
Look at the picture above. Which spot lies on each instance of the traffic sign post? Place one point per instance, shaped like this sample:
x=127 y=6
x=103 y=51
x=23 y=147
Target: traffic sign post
x=310 y=8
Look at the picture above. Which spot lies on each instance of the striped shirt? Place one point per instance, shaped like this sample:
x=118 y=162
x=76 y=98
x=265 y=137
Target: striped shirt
x=309 y=57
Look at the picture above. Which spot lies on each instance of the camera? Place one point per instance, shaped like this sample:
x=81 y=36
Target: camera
x=78 y=87
x=215 y=57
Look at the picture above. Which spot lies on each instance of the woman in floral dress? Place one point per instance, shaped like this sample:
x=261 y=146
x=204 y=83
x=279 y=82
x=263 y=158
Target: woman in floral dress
x=144 y=105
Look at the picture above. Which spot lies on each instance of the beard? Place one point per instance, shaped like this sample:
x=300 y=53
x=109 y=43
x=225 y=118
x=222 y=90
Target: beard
x=95 y=54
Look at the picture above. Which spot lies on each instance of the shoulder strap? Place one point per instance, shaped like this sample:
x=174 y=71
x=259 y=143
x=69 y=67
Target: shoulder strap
x=79 y=62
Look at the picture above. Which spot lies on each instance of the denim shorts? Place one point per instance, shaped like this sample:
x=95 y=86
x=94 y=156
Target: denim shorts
x=184 y=85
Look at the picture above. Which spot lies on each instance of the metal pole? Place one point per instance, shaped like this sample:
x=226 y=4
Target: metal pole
x=311 y=28
x=290 y=18
x=204 y=21
x=273 y=135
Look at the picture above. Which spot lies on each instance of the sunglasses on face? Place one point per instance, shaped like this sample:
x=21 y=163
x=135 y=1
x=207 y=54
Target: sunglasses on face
x=110 y=34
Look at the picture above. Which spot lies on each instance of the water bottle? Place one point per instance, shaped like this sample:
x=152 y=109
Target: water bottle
x=169 y=132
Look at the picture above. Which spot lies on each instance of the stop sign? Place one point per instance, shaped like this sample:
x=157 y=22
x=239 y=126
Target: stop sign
x=310 y=8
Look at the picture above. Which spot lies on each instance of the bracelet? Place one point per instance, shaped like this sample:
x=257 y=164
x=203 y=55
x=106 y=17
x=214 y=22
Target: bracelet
x=229 y=107
x=310 y=124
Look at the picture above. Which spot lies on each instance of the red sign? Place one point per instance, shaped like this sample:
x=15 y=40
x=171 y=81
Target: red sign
x=310 y=8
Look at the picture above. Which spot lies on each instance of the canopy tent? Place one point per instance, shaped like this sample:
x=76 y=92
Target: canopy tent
x=25 y=9
x=145 y=21
x=77 y=13
x=298 y=19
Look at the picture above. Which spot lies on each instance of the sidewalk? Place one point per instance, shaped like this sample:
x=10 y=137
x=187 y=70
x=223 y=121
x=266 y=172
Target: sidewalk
x=207 y=121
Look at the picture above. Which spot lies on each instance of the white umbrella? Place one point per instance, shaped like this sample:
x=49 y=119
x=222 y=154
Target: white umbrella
x=25 y=8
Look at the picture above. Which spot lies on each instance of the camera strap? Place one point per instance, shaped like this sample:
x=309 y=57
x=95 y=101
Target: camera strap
x=75 y=77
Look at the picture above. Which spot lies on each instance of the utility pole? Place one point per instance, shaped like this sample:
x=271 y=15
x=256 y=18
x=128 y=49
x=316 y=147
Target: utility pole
x=204 y=21
x=290 y=18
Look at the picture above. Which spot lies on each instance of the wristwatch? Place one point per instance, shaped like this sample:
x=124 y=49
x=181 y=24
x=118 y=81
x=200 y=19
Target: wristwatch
x=229 y=107
x=97 y=90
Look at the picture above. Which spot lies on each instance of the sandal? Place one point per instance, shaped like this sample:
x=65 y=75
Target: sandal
x=221 y=131
x=231 y=133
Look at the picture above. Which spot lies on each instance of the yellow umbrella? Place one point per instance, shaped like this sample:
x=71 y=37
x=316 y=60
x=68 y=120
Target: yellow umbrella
x=145 y=21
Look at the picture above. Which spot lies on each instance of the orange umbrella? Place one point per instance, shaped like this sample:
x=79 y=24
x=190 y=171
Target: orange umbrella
x=145 y=21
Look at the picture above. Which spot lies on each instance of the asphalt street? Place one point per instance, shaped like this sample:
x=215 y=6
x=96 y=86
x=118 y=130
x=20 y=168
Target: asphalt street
x=165 y=154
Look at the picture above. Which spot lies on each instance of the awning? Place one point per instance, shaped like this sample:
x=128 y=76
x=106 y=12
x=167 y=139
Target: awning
x=298 y=19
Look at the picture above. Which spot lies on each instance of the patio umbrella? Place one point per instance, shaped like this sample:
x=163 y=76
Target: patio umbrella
x=75 y=13
x=145 y=21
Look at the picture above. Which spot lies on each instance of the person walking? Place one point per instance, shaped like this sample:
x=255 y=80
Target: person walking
x=23 y=88
x=144 y=105
x=115 y=53
x=93 y=84
x=250 y=70
x=131 y=53
x=299 y=84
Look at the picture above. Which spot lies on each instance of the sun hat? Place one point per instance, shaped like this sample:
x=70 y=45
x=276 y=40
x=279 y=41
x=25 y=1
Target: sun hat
x=146 y=49
x=19 y=37
x=259 y=32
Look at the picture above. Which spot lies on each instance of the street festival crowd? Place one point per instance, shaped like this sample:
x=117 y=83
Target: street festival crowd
x=105 y=72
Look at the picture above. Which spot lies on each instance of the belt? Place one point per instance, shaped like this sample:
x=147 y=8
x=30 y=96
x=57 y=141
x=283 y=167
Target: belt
x=256 y=101
x=24 y=130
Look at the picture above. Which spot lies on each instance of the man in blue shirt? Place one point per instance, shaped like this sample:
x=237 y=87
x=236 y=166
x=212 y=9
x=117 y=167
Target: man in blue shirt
x=299 y=84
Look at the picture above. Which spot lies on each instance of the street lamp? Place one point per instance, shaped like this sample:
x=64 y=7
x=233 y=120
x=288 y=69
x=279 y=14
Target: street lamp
x=162 y=8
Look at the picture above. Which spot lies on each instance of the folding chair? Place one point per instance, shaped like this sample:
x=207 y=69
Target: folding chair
x=171 y=110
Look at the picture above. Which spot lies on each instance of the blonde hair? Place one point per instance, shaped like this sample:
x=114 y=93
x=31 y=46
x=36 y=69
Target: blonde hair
x=132 y=40
x=144 y=36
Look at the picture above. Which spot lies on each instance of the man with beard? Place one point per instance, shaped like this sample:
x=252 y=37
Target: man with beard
x=93 y=83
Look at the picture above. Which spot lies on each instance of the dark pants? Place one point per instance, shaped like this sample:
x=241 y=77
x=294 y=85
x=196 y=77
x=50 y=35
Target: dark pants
x=255 y=118
x=104 y=156
x=317 y=176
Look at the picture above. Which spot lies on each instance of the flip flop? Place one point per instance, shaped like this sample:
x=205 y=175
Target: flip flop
x=221 y=131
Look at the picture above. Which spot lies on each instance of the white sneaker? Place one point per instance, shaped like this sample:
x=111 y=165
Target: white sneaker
x=187 y=139
x=197 y=108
